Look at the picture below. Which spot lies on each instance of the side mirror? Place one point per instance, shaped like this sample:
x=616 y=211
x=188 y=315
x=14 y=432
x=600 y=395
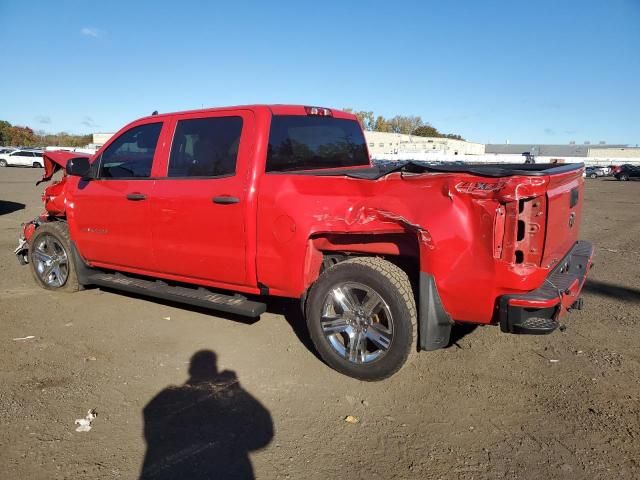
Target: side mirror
x=78 y=167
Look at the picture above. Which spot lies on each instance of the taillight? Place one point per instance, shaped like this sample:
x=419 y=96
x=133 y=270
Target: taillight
x=524 y=231
x=318 y=111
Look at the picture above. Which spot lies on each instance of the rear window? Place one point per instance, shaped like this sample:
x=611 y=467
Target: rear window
x=304 y=143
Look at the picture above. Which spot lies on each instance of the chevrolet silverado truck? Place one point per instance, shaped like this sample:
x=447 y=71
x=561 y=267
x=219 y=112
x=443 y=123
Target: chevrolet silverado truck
x=222 y=208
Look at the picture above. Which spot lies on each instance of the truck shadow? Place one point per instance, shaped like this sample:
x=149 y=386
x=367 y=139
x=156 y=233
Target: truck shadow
x=182 y=306
x=205 y=428
x=459 y=331
x=289 y=308
x=7 y=207
x=611 y=290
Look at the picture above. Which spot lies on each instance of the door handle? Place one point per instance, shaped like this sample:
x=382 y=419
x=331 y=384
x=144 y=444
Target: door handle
x=135 y=197
x=225 y=200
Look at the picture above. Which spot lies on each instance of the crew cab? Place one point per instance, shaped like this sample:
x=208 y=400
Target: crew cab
x=225 y=207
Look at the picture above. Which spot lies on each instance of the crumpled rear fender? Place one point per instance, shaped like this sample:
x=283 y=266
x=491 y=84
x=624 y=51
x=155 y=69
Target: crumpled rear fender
x=56 y=160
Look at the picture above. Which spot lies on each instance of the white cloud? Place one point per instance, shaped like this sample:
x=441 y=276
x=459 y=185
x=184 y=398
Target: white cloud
x=88 y=122
x=90 y=32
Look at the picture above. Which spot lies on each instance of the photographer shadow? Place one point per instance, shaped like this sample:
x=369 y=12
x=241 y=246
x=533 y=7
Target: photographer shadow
x=205 y=428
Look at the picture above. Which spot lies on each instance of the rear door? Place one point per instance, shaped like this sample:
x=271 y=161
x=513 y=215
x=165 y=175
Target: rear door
x=199 y=206
x=111 y=214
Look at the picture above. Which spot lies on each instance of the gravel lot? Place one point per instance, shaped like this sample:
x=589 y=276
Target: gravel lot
x=490 y=406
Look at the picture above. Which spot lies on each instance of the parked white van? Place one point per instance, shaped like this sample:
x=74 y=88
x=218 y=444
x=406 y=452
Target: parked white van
x=22 y=158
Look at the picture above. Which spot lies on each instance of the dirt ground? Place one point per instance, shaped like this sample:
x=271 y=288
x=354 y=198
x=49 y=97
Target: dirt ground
x=490 y=406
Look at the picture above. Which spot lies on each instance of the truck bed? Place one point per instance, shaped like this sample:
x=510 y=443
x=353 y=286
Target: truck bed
x=493 y=170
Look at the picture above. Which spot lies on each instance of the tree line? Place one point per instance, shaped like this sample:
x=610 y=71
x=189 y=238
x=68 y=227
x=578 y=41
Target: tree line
x=26 y=137
x=408 y=124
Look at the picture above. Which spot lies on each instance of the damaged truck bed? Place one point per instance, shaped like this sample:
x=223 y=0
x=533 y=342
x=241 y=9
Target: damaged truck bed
x=207 y=207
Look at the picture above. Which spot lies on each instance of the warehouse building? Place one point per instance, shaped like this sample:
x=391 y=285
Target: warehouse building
x=614 y=152
x=100 y=139
x=550 y=150
x=399 y=143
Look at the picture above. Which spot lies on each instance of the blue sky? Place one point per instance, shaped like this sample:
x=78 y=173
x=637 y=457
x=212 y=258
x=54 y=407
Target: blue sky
x=523 y=71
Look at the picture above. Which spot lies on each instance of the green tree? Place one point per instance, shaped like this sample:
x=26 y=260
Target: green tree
x=366 y=119
x=381 y=124
x=427 y=131
x=408 y=124
x=405 y=123
x=21 y=136
x=4 y=132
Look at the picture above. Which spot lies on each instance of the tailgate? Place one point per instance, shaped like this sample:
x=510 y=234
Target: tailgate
x=564 y=214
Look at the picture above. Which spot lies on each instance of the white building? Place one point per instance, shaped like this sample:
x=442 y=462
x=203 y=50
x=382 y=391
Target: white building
x=381 y=143
x=100 y=139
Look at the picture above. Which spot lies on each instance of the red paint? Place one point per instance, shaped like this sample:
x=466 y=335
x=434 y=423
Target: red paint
x=461 y=228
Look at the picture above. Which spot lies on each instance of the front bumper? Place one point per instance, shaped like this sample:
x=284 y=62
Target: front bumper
x=28 y=229
x=539 y=311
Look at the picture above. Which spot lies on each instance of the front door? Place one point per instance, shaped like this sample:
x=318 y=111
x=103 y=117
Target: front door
x=111 y=213
x=199 y=206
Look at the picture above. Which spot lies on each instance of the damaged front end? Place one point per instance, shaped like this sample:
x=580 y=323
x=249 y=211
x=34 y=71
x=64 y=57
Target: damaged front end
x=54 y=199
x=22 y=251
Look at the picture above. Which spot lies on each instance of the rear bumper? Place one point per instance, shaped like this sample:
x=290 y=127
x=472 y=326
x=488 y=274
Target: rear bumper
x=538 y=311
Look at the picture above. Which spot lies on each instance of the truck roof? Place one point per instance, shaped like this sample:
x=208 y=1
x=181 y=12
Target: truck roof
x=275 y=109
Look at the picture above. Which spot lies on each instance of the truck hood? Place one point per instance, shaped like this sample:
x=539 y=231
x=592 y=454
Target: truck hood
x=56 y=160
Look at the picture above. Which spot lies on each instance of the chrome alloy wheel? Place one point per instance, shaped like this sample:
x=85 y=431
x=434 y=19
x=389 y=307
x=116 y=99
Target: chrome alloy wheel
x=51 y=261
x=357 y=322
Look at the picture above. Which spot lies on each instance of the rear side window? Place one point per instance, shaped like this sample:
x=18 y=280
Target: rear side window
x=205 y=147
x=131 y=154
x=305 y=142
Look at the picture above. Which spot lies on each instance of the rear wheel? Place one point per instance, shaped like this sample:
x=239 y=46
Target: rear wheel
x=37 y=165
x=3 y=163
x=361 y=316
x=593 y=175
x=50 y=258
x=624 y=177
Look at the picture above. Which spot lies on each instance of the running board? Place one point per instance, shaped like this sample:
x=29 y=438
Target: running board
x=200 y=297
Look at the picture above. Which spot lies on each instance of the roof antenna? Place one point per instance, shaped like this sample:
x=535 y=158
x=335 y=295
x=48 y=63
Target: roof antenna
x=155 y=112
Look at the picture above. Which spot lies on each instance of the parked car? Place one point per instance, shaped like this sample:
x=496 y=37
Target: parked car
x=594 y=172
x=204 y=207
x=22 y=158
x=627 y=172
x=6 y=150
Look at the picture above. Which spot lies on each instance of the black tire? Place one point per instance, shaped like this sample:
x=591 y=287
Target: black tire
x=593 y=175
x=393 y=287
x=37 y=165
x=56 y=234
x=623 y=178
x=3 y=163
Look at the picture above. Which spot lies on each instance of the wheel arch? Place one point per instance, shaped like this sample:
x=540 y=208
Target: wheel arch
x=326 y=249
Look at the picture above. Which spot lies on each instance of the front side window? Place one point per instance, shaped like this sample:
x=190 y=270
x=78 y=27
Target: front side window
x=131 y=154
x=205 y=147
x=299 y=142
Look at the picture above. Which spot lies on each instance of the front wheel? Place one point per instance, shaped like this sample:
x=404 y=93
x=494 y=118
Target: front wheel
x=50 y=257
x=593 y=175
x=361 y=315
x=3 y=163
x=624 y=177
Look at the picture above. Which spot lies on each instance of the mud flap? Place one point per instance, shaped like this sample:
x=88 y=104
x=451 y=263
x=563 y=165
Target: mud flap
x=83 y=271
x=434 y=323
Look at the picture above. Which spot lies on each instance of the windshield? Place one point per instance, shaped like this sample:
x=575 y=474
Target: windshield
x=305 y=142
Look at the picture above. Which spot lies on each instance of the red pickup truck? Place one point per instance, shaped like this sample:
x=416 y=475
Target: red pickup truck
x=224 y=207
